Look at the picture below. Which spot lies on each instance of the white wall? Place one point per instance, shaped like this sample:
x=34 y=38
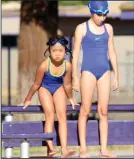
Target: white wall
x=10 y=25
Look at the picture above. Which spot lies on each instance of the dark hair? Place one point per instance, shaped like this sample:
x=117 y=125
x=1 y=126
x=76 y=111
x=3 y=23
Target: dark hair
x=61 y=39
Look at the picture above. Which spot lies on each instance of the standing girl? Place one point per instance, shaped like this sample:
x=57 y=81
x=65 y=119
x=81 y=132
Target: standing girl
x=53 y=83
x=96 y=38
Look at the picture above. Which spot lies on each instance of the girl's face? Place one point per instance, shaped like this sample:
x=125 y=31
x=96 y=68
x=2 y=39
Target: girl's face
x=57 y=52
x=99 y=19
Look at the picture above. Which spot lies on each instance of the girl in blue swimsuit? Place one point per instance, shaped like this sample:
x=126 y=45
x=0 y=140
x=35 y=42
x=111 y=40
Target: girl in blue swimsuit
x=96 y=39
x=53 y=82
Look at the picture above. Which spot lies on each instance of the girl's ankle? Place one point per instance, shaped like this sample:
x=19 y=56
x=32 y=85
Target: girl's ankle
x=103 y=150
x=83 y=150
x=64 y=149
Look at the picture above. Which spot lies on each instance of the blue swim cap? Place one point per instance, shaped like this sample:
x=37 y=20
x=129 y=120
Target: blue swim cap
x=98 y=7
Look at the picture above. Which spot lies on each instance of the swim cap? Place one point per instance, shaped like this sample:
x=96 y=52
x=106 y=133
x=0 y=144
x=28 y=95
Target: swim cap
x=98 y=7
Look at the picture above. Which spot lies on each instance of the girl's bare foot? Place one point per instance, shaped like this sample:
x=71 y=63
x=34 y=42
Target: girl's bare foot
x=67 y=154
x=52 y=153
x=84 y=155
x=107 y=154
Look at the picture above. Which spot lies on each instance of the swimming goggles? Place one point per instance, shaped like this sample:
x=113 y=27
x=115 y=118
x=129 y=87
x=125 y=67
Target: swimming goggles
x=53 y=42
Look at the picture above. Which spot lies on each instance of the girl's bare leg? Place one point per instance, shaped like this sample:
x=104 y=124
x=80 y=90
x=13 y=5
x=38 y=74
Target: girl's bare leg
x=59 y=99
x=46 y=101
x=103 y=86
x=87 y=87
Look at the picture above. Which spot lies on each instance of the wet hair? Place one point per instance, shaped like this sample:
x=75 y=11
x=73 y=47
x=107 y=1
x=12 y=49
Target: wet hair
x=58 y=39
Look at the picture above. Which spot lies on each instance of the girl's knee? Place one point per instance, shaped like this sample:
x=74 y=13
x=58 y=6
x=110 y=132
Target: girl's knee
x=62 y=117
x=49 y=116
x=103 y=112
x=85 y=111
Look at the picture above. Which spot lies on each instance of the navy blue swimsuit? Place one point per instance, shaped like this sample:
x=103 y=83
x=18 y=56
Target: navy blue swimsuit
x=95 y=53
x=52 y=82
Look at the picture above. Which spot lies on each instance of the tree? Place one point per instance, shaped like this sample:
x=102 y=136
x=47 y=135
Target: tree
x=39 y=20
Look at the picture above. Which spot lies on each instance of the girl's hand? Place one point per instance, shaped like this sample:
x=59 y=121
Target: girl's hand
x=115 y=84
x=75 y=84
x=71 y=101
x=25 y=104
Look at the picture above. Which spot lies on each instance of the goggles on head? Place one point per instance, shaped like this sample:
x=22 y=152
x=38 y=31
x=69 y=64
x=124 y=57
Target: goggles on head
x=61 y=41
x=100 y=12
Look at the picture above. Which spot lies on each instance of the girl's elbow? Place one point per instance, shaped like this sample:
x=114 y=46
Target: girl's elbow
x=67 y=85
x=75 y=53
x=36 y=85
x=111 y=54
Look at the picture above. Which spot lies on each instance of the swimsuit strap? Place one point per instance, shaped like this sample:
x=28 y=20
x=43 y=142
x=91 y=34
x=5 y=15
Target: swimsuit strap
x=49 y=63
x=105 y=28
x=87 y=25
x=65 y=66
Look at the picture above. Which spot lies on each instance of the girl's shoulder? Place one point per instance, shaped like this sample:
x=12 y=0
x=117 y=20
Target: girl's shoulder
x=44 y=64
x=80 y=29
x=68 y=64
x=108 y=27
x=80 y=26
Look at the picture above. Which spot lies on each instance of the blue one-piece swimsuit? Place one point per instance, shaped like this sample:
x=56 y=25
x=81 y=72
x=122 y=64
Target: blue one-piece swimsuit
x=95 y=53
x=52 y=82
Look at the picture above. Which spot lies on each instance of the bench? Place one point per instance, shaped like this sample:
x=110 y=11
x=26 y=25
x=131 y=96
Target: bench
x=24 y=139
x=30 y=133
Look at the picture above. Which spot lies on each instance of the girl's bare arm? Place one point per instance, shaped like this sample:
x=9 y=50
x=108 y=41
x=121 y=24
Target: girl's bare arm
x=76 y=48
x=67 y=80
x=38 y=79
x=111 y=50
